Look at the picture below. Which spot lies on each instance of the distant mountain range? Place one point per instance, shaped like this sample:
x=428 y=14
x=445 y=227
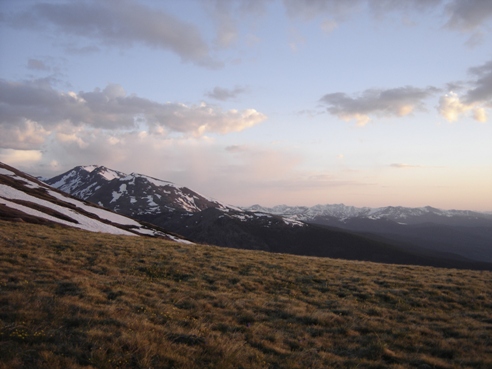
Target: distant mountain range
x=425 y=236
x=460 y=232
x=340 y=213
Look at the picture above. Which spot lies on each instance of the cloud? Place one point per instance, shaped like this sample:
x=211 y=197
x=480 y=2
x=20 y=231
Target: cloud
x=30 y=112
x=223 y=94
x=482 y=91
x=328 y=25
x=403 y=165
x=15 y=157
x=227 y=32
x=25 y=135
x=308 y=9
x=468 y=15
x=390 y=102
x=296 y=40
x=199 y=163
x=227 y=14
x=121 y=23
x=385 y=6
x=451 y=108
x=36 y=64
x=464 y=15
x=476 y=95
x=236 y=148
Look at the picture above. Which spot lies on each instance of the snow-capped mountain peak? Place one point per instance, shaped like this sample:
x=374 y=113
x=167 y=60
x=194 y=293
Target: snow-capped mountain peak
x=132 y=194
x=24 y=197
x=75 y=181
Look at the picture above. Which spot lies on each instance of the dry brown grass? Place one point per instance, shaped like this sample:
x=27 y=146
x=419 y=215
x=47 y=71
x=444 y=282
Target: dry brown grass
x=73 y=299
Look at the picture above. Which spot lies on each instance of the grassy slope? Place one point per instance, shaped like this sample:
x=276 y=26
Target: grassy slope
x=73 y=299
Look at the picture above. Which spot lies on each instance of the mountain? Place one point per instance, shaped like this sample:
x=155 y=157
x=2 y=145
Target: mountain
x=398 y=214
x=131 y=194
x=460 y=232
x=183 y=211
x=24 y=198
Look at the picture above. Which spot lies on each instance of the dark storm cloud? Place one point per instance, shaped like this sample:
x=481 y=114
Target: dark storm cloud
x=120 y=23
x=390 y=102
x=224 y=94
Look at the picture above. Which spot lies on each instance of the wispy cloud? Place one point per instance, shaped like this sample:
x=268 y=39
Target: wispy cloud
x=121 y=23
x=462 y=15
x=36 y=64
x=410 y=166
x=236 y=148
x=403 y=165
x=223 y=94
x=308 y=9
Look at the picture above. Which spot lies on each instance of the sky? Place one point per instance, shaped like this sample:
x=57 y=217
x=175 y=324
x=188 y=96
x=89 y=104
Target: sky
x=298 y=102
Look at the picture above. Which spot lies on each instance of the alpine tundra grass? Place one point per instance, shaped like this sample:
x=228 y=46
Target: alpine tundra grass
x=75 y=299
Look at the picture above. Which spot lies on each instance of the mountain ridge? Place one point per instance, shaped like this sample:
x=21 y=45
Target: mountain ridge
x=180 y=210
x=399 y=214
x=24 y=198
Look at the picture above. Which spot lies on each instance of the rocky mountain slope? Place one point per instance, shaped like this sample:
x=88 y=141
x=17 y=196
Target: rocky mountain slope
x=25 y=199
x=131 y=194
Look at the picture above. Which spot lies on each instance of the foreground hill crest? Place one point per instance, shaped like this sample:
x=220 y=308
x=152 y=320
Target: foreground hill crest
x=106 y=301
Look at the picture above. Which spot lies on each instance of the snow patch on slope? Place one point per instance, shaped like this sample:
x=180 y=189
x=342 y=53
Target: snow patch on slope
x=83 y=222
x=101 y=213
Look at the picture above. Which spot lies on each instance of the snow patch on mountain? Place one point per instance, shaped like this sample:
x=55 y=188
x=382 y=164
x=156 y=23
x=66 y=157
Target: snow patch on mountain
x=132 y=194
x=101 y=213
x=81 y=221
x=89 y=168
